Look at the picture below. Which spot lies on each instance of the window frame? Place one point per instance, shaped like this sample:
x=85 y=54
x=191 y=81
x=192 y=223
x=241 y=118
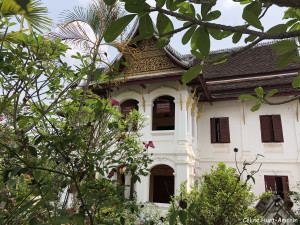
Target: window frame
x=164 y=121
x=271 y=128
x=271 y=183
x=219 y=130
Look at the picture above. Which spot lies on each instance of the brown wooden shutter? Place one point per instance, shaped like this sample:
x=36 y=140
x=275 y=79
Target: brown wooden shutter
x=265 y=128
x=277 y=128
x=224 y=130
x=270 y=183
x=213 y=130
x=286 y=189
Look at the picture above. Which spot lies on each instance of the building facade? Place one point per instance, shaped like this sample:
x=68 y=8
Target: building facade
x=197 y=124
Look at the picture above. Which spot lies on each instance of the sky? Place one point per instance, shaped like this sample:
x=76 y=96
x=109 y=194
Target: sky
x=231 y=15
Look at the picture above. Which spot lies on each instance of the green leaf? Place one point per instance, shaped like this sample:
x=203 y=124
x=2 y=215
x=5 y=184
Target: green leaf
x=187 y=36
x=186 y=9
x=32 y=151
x=271 y=93
x=205 y=7
x=164 y=24
x=136 y=6
x=146 y=26
x=183 y=217
x=200 y=40
x=204 y=44
x=138 y=38
x=296 y=81
x=236 y=37
x=251 y=13
x=215 y=33
x=247 y=97
x=256 y=106
x=197 y=54
x=160 y=3
x=23 y=121
x=173 y=217
x=250 y=38
x=286 y=59
x=161 y=43
x=192 y=207
x=116 y=28
x=109 y=2
x=212 y=15
x=259 y=91
x=191 y=73
x=280 y=28
x=283 y=46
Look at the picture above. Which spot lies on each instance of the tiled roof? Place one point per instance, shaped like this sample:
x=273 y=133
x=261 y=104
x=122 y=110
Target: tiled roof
x=258 y=60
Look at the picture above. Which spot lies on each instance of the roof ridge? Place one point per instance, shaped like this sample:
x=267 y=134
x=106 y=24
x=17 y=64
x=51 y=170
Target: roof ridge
x=267 y=43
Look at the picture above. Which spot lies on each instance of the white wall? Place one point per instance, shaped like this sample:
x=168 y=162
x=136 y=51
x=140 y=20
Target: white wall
x=279 y=158
x=190 y=157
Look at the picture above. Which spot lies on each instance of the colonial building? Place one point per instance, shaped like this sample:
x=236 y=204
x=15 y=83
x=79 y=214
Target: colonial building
x=197 y=124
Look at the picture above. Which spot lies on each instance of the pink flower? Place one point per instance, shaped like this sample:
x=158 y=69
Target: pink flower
x=1 y=118
x=12 y=200
x=7 y=141
x=114 y=102
x=149 y=144
x=70 y=145
x=121 y=137
x=28 y=176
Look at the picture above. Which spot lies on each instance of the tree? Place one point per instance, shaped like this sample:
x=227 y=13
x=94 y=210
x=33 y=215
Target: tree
x=218 y=197
x=56 y=139
x=97 y=17
x=199 y=29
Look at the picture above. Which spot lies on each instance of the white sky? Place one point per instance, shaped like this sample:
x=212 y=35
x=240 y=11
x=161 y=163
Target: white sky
x=231 y=15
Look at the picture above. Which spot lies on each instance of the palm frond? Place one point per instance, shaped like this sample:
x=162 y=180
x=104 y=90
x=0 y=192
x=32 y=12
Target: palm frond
x=34 y=13
x=37 y=16
x=72 y=33
x=98 y=16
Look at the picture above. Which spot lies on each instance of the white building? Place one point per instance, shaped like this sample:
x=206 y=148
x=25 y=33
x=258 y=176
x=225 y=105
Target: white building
x=188 y=141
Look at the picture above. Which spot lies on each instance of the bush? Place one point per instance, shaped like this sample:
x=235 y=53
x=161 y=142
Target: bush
x=218 y=197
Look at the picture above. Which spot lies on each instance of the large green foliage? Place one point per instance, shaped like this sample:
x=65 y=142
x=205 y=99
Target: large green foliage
x=217 y=197
x=55 y=138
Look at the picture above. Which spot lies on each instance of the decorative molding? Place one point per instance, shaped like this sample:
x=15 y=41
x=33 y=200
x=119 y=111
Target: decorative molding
x=148 y=60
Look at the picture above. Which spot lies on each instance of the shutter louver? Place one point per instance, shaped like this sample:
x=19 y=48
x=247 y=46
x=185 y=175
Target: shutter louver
x=265 y=128
x=277 y=128
x=270 y=183
x=286 y=189
x=224 y=130
x=213 y=130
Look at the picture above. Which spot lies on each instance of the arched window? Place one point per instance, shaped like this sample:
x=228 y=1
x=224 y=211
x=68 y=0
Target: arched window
x=127 y=106
x=163 y=113
x=161 y=184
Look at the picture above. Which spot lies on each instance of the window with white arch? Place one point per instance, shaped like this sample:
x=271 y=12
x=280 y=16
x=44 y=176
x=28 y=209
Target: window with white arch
x=162 y=184
x=163 y=114
x=127 y=107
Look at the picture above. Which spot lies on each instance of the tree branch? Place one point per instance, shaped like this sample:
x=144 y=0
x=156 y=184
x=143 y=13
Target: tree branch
x=282 y=102
x=283 y=3
x=260 y=34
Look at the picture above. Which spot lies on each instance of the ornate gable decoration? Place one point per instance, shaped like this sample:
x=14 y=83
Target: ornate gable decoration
x=148 y=60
